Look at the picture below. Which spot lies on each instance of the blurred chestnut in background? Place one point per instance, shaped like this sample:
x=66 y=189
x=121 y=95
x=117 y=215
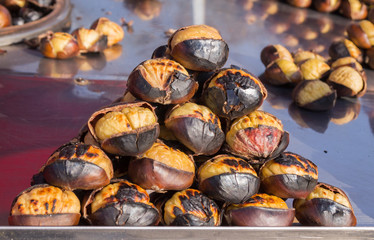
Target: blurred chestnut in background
x=326 y=5
x=314 y=68
x=353 y=9
x=89 y=40
x=112 y=30
x=162 y=81
x=345 y=48
x=228 y=179
x=326 y=206
x=78 y=166
x=282 y=72
x=197 y=127
x=5 y=17
x=59 y=45
x=45 y=205
x=289 y=176
x=233 y=92
x=300 y=3
x=261 y=210
x=120 y=203
x=125 y=128
x=361 y=34
x=199 y=48
x=271 y=53
x=191 y=208
x=369 y=57
x=348 y=82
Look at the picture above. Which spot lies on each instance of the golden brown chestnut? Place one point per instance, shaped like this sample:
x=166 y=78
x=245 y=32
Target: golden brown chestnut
x=13 y=5
x=89 y=40
x=199 y=48
x=120 y=203
x=361 y=34
x=369 y=58
x=303 y=55
x=326 y=206
x=300 y=3
x=59 y=45
x=353 y=9
x=271 y=53
x=348 y=82
x=162 y=168
x=326 y=5
x=283 y=72
x=228 y=179
x=112 y=30
x=197 y=127
x=162 y=81
x=350 y=62
x=191 y=207
x=314 y=69
x=78 y=166
x=289 y=176
x=233 y=92
x=5 y=17
x=257 y=136
x=261 y=210
x=345 y=48
x=314 y=95
x=45 y=205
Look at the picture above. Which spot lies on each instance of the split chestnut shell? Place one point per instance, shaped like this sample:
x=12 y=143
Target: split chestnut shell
x=59 y=45
x=228 y=179
x=126 y=129
x=45 y=205
x=113 y=32
x=289 y=176
x=161 y=80
x=325 y=206
x=197 y=127
x=233 y=92
x=120 y=203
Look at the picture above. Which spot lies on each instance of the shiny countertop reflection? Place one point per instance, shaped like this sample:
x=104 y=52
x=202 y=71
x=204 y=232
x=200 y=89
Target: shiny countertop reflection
x=44 y=102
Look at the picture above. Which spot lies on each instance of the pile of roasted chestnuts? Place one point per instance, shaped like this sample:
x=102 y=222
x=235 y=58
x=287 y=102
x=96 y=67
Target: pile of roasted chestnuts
x=185 y=145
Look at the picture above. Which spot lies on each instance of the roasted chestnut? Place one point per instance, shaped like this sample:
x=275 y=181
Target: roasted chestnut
x=261 y=210
x=303 y=55
x=326 y=5
x=282 y=72
x=89 y=40
x=112 y=30
x=271 y=53
x=125 y=129
x=199 y=48
x=289 y=176
x=162 y=168
x=353 y=9
x=348 y=82
x=5 y=17
x=228 y=179
x=233 y=92
x=350 y=62
x=369 y=59
x=59 y=45
x=345 y=48
x=78 y=166
x=300 y=3
x=197 y=127
x=160 y=52
x=314 y=95
x=191 y=208
x=45 y=205
x=162 y=81
x=361 y=34
x=314 y=69
x=120 y=203
x=257 y=136
x=326 y=206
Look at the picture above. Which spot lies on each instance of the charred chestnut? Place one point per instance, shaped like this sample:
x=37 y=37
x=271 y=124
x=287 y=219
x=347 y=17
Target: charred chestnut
x=283 y=72
x=45 y=205
x=197 y=127
x=233 y=92
x=228 y=179
x=89 y=40
x=162 y=81
x=261 y=210
x=314 y=69
x=326 y=5
x=353 y=9
x=257 y=136
x=199 y=48
x=303 y=55
x=325 y=206
x=120 y=203
x=111 y=30
x=59 y=45
x=289 y=176
x=191 y=208
x=348 y=82
x=125 y=129
x=345 y=48
x=161 y=51
x=271 y=53
x=162 y=168
x=361 y=34
x=78 y=166
x=314 y=95
x=5 y=17
x=300 y=3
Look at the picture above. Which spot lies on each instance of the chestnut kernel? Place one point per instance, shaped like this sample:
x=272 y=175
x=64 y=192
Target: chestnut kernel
x=353 y=9
x=325 y=206
x=59 y=45
x=348 y=82
x=345 y=48
x=289 y=176
x=89 y=40
x=228 y=179
x=350 y=62
x=199 y=48
x=314 y=69
x=326 y=5
x=271 y=53
x=361 y=34
x=303 y=55
x=283 y=72
x=111 y=30
x=261 y=210
x=5 y=17
x=45 y=205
